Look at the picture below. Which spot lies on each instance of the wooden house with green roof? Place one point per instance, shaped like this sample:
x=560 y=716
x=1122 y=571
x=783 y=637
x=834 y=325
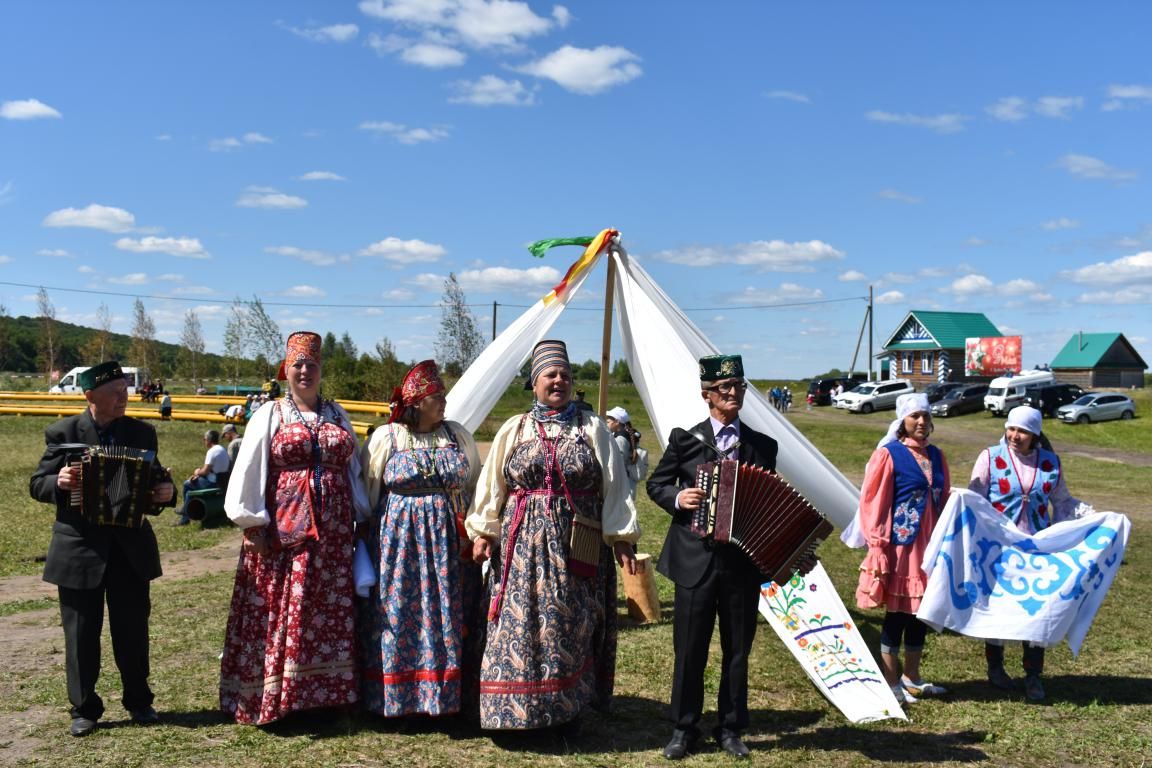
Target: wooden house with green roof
x=929 y=346
x=1100 y=360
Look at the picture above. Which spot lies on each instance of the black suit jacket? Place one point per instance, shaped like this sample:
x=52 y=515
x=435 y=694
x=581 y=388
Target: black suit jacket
x=79 y=550
x=686 y=557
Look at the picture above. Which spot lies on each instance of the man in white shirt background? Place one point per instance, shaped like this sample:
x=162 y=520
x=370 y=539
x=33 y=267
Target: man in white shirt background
x=209 y=474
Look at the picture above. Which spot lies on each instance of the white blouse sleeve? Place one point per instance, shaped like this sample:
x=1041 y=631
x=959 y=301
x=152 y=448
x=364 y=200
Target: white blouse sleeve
x=244 y=499
x=491 y=489
x=618 y=517
x=981 y=475
x=375 y=454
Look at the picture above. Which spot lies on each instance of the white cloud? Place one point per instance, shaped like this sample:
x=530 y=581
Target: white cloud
x=304 y=292
x=163 y=137
x=889 y=297
x=333 y=33
x=1088 y=167
x=788 y=96
x=1010 y=109
x=786 y=293
x=134 y=278
x=322 y=176
x=6 y=193
x=586 y=71
x=1060 y=223
x=95 y=216
x=1135 y=294
x=403 y=133
x=946 y=123
x=892 y=194
x=1058 y=106
x=170 y=277
x=5 y=258
x=267 y=197
x=398 y=294
x=852 y=276
x=188 y=247
x=27 y=109
x=531 y=281
x=230 y=143
x=490 y=90
x=971 y=285
x=975 y=242
x=1124 y=96
x=399 y=251
x=766 y=255
x=1019 y=287
x=433 y=56
x=195 y=290
x=476 y=23
x=1128 y=270
x=319 y=258
x=84 y=269
x=54 y=253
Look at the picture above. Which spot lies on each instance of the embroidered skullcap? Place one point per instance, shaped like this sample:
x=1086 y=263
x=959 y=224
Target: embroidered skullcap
x=546 y=354
x=717 y=367
x=420 y=382
x=301 y=345
x=1025 y=417
x=99 y=375
x=906 y=405
x=619 y=414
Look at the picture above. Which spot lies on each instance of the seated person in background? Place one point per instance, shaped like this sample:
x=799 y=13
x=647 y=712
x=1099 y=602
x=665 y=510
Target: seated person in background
x=216 y=463
x=579 y=402
x=232 y=441
x=235 y=412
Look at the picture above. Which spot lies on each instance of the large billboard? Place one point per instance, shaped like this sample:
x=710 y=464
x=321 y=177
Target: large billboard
x=992 y=356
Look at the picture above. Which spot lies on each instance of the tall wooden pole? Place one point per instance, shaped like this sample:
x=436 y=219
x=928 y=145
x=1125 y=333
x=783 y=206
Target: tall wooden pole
x=606 y=345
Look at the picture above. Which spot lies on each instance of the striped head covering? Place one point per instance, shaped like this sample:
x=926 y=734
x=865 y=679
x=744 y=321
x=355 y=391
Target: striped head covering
x=420 y=382
x=546 y=354
x=302 y=345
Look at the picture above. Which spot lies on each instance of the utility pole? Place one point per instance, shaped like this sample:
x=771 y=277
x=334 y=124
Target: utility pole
x=871 y=359
x=493 y=321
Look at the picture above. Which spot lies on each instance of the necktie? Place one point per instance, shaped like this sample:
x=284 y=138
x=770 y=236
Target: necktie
x=725 y=439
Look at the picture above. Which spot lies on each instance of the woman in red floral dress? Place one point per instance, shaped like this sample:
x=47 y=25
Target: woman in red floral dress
x=290 y=644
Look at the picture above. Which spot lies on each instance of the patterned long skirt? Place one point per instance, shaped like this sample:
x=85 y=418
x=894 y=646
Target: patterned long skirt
x=415 y=624
x=290 y=641
x=550 y=645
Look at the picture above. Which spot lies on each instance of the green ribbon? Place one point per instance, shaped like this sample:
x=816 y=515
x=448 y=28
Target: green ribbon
x=540 y=247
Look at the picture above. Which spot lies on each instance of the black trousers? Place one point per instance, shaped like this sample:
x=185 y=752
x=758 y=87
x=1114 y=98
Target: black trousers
x=82 y=614
x=726 y=593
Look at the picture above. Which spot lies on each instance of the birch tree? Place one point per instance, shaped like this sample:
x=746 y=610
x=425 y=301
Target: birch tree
x=192 y=341
x=460 y=341
x=48 y=337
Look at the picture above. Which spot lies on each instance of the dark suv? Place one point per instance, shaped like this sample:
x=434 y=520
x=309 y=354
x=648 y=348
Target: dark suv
x=936 y=392
x=1046 y=398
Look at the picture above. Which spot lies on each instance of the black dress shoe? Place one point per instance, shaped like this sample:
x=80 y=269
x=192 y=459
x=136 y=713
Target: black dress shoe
x=146 y=716
x=730 y=742
x=81 y=726
x=681 y=744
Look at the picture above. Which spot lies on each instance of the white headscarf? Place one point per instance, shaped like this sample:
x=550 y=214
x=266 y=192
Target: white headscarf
x=618 y=413
x=1025 y=417
x=906 y=405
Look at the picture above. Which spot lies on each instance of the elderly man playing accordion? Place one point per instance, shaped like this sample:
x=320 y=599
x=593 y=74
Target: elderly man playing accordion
x=712 y=580
x=102 y=548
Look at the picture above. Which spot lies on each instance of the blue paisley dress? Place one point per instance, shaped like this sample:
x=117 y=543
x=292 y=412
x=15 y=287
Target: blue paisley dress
x=550 y=646
x=414 y=629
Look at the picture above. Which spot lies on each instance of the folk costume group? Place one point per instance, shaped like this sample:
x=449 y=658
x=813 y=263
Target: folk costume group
x=485 y=589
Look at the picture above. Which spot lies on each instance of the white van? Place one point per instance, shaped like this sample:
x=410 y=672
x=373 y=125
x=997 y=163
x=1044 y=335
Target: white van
x=68 y=384
x=1007 y=392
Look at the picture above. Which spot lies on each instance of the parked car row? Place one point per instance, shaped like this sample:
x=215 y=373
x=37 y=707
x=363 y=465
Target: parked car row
x=1066 y=402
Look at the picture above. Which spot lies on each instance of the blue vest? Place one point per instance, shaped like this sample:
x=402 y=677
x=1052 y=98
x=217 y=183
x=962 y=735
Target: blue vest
x=912 y=489
x=1006 y=492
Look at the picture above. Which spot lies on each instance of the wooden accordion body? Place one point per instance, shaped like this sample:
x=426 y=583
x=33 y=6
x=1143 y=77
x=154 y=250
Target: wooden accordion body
x=115 y=485
x=756 y=510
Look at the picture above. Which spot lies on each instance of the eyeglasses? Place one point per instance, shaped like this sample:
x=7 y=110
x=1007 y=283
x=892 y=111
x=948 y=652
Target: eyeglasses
x=728 y=387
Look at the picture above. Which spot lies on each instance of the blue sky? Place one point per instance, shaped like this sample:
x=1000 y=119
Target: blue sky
x=339 y=159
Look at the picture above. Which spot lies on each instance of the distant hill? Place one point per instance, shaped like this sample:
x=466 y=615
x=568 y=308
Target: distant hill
x=20 y=350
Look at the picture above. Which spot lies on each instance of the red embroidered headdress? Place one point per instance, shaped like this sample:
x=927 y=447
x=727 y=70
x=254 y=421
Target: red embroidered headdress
x=421 y=381
x=302 y=345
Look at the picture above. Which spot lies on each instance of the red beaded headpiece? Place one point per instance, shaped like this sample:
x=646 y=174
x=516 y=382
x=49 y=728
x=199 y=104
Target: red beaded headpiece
x=421 y=381
x=302 y=345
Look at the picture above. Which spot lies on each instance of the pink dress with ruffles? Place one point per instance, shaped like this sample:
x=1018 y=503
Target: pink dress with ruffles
x=890 y=576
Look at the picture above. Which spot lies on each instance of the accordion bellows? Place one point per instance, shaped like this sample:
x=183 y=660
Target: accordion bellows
x=115 y=484
x=761 y=514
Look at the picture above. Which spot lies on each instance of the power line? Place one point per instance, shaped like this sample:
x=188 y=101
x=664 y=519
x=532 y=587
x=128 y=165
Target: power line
x=315 y=305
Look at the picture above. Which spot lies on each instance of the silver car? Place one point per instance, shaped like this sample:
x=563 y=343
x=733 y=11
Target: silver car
x=874 y=395
x=1097 y=406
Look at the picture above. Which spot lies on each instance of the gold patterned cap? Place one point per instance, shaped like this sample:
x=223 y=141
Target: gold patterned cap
x=717 y=367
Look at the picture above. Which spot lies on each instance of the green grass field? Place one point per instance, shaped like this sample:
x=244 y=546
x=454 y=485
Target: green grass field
x=1097 y=714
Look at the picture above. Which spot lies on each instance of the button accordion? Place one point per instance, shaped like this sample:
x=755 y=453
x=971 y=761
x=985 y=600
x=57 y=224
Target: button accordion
x=115 y=485
x=756 y=510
